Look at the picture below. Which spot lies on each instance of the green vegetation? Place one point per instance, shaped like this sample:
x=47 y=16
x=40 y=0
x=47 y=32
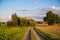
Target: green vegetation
x=19 y=21
x=46 y=35
x=52 y=18
x=15 y=28
x=14 y=33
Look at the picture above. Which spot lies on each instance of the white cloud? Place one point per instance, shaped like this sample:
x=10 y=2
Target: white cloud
x=52 y=8
x=37 y=14
x=5 y=18
x=9 y=17
x=55 y=8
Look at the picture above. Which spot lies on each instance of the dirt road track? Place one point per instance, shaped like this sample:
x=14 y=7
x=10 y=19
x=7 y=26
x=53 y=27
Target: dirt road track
x=27 y=35
x=38 y=36
x=35 y=35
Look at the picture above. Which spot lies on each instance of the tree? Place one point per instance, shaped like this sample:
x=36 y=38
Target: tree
x=14 y=19
x=52 y=18
x=49 y=17
x=32 y=22
x=19 y=21
x=57 y=19
x=45 y=19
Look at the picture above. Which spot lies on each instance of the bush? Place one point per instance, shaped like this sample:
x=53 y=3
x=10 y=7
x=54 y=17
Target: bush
x=9 y=23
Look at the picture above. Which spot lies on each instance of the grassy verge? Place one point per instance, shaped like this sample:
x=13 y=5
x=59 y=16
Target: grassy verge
x=46 y=35
x=12 y=33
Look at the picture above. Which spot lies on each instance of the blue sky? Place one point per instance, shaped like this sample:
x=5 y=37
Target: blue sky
x=7 y=7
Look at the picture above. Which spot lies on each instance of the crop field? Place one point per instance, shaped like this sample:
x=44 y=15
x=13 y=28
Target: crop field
x=53 y=29
x=12 y=33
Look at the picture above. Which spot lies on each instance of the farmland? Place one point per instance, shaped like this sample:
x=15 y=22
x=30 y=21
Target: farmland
x=12 y=33
x=50 y=29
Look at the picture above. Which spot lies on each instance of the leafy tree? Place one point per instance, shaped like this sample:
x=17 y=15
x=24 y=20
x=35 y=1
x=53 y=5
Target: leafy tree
x=32 y=22
x=45 y=19
x=19 y=21
x=14 y=19
x=57 y=19
x=52 y=18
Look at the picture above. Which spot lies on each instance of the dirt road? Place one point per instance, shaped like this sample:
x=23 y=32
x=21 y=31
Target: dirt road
x=28 y=34
x=37 y=36
x=32 y=34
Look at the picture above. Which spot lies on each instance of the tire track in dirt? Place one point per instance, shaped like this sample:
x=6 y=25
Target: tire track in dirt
x=37 y=36
x=27 y=35
x=32 y=34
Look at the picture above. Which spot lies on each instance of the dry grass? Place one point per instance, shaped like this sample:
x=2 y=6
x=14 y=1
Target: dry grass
x=53 y=29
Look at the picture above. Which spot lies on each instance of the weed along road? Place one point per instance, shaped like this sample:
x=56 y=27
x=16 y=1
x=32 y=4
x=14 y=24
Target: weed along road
x=31 y=34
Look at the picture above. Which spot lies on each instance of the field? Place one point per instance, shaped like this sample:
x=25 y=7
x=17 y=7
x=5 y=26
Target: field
x=48 y=32
x=53 y=29
x=12 y=33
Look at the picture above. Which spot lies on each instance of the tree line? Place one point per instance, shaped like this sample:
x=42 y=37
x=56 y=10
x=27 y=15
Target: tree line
x=52 y=18
x=19 y=21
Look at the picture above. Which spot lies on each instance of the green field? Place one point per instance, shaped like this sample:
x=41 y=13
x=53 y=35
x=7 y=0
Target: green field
x=12 y=33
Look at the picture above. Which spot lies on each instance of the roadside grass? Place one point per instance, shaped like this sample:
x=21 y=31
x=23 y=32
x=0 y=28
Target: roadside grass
x=46 y=35
x=12 y=33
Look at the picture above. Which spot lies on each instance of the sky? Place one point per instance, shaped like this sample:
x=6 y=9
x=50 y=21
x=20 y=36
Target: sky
x=35 y=9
